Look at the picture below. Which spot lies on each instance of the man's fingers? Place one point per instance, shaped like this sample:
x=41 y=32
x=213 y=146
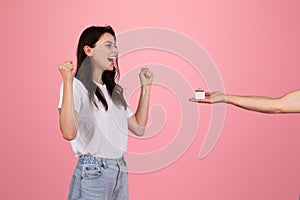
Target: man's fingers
x=193 y=100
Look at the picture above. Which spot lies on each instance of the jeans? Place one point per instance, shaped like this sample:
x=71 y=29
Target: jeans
x=99 y=178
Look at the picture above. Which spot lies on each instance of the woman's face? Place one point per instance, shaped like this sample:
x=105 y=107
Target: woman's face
x=105 y=53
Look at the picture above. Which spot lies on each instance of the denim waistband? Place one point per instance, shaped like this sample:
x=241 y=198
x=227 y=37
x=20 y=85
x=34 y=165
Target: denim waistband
x=105 y=162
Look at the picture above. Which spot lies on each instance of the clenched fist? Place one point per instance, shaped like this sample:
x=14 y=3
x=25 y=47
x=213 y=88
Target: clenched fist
x=65 y=70
x=146 y=76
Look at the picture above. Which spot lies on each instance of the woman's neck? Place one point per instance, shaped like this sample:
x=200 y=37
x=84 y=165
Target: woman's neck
x=97 y=76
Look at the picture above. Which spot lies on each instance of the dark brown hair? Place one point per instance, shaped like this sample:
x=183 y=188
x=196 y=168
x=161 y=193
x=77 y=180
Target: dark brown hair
x=84 y=71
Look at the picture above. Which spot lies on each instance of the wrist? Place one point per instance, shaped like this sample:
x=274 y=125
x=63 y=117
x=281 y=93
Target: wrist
x=146 y=86
x=145 y=89
x=227 y=98
x=68 y=82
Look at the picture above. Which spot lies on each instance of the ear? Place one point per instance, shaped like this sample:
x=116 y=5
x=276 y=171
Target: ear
x=88 y=50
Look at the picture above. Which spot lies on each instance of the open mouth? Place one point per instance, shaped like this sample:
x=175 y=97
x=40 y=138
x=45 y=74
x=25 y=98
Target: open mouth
x=111 y=59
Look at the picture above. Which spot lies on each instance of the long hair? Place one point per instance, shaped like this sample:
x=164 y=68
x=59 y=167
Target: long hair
x=85 y=72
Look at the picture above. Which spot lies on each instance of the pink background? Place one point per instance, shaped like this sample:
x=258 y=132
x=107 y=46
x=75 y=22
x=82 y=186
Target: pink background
x=255 y=45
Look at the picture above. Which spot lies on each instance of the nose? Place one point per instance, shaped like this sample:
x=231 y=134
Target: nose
x=115 y=50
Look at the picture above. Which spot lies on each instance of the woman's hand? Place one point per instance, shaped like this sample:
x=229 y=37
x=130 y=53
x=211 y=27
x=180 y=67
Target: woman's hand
x=146 y=77
x=65 y=70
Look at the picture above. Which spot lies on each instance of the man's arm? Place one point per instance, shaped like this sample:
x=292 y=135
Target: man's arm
x=288 y=103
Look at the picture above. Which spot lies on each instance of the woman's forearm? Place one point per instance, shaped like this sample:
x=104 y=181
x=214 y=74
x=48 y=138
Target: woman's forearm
x=68 y=118
x=143 y=106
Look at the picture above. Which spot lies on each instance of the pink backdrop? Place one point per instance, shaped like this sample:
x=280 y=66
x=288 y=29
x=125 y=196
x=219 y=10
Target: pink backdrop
x=255 y=45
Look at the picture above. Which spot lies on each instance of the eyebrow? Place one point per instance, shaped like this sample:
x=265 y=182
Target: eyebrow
x=107 y=41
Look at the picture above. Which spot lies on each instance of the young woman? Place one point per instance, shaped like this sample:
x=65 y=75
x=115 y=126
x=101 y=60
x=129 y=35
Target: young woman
x=95 y=117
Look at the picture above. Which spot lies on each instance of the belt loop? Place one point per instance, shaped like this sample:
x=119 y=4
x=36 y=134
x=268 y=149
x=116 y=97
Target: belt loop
x=103 y=163
x=118 y=162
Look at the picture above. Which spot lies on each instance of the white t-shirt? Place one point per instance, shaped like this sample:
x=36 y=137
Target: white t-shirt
x=100 y=133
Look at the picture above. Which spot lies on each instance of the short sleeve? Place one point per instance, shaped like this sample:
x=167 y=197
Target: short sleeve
x=129 y=111
x=76 y=96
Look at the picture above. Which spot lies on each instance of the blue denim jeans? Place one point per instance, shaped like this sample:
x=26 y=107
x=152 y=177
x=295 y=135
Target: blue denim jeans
x=99 y=178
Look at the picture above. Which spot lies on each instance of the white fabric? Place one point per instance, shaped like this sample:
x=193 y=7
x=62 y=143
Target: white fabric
x=100 y=133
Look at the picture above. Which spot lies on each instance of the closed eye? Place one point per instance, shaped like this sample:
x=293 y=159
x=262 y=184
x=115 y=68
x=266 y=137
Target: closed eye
x=110 y=44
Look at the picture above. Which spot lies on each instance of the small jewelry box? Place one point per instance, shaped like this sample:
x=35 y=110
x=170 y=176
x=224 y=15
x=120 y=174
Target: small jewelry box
x=199 y=94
